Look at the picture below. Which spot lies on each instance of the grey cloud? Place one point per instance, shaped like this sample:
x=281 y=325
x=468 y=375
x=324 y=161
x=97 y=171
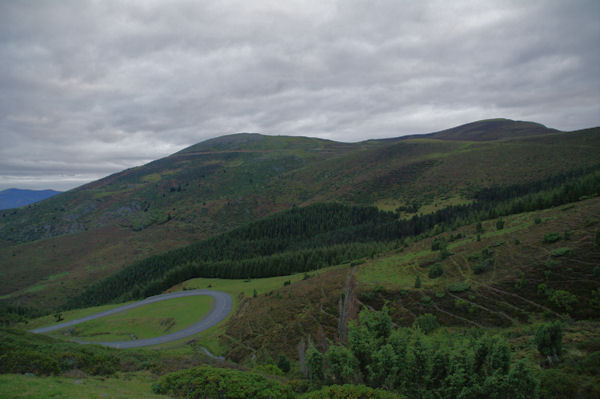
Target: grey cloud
x=90 y=88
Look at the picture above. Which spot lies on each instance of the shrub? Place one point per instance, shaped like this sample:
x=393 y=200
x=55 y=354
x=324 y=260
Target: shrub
x=562 y=252
x=548 y=339
x=558 y=384
x=436 y=271
x=22 y=352
x=551 y=237
x=209 y=382
x=461 y=304
x=482 y=266
x=350 y=392
x=459 y=287
x=28 y=362
x=457 y=236
x=426 y=323
x=438 y=244
x=426 y=300
x=479 y=228
x=314 y=363
x=268 y=369
x=444 y=253
x=485 y=253
x=537 y=220
x=499 y=224
x=418 y=282
x=342 y=364
x=564 y=300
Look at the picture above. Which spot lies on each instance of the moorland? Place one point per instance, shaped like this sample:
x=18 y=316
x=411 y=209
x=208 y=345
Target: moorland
x=462 y=263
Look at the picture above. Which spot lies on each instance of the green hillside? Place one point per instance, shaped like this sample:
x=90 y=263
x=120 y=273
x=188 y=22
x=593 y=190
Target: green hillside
x=368 y=283
x=485 y=291
x=51 y=250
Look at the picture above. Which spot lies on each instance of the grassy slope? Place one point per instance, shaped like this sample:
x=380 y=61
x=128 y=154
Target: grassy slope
x=127 y=386
x=222 y=183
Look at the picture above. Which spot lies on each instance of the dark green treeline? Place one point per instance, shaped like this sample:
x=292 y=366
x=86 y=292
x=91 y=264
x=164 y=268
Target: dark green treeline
x=321 y=235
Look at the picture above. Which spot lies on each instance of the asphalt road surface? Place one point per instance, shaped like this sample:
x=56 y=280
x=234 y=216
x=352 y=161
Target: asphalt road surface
x=222 y=307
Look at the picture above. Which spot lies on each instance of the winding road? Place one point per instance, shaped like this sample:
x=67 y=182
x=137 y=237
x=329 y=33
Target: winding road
x=221 y=308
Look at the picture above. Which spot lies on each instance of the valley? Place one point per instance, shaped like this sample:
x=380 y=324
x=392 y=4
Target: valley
x=452 y=261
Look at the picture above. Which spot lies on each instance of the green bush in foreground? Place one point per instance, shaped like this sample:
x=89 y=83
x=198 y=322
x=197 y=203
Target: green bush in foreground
x=22 y=352
x=350 y=392
x=208 y=382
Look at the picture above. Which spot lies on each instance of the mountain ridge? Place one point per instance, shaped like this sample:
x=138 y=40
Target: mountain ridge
x=219 y=184
x=16 y=197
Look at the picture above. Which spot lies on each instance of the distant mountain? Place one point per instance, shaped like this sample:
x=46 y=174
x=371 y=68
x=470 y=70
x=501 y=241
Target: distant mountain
x=15 y=198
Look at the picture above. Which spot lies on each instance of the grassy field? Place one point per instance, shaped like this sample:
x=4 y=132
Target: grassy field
x=124 y=386
x=147 y=321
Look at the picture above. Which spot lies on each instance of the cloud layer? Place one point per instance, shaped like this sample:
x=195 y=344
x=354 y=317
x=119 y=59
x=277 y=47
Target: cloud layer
x=92 y=87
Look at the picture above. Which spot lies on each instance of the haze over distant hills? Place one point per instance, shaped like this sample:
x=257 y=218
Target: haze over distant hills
x=15 y=198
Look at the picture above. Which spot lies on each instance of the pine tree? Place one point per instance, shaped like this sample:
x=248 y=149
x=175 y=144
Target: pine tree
x=548 y=339
x=314 y=363
x=418 y=282
x=343 y=365
x=499 y=224
x=417 y=364
x=522 y=383
x=384 y=367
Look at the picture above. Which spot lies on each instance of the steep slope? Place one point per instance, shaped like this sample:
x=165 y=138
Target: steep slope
x=55 y=248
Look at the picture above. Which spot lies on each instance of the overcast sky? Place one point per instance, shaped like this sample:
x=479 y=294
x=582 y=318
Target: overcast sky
x=89 y=88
